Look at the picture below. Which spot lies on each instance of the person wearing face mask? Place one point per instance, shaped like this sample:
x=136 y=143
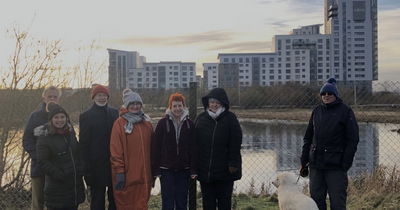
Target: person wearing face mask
x=219 y=139
x=174 y=154
x=58 y=155
x=130 y=148
x=330 y=143
x=95 y=126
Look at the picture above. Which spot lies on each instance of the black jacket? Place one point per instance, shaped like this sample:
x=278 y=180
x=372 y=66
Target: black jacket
x=36 y=119
x=219 y=142
x=331 y=138
x=58 y=156
x=168 y=153
x=95 y=126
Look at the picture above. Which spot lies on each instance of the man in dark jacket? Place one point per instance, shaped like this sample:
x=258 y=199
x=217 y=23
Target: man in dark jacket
x=330 y=144
x=38 y=118
x=219 y=139
x=95 y=126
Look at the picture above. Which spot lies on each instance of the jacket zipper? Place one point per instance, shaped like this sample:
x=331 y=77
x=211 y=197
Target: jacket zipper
x=73 y=163
x=212 y=149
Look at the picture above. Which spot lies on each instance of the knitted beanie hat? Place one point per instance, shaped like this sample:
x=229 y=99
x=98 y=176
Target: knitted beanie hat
x=176 y=97
x=129 y=97
x=54 y=109
x=100 y=89
x=330 y=86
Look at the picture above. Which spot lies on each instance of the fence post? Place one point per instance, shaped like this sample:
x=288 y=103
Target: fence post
x=192 y=115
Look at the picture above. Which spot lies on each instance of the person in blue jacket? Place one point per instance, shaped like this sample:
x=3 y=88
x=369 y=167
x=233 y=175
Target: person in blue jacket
x=330 y=143
x=38 y=118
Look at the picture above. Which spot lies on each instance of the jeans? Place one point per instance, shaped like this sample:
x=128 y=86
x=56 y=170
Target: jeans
x=174 y=189
x=218 y=193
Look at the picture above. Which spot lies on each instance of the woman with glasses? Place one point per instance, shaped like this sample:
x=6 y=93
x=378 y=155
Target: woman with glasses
x=130 y=147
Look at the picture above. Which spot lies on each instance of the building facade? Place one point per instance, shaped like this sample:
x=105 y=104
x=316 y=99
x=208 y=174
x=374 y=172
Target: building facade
x=347 y=51
x=127 y=69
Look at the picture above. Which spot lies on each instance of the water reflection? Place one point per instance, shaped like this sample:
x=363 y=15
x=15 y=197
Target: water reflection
x=270 y=147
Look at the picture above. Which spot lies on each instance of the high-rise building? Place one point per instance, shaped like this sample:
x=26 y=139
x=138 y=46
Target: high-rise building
x=127 y=69
x=120 y=68
x=347 y=51
x=353 y=26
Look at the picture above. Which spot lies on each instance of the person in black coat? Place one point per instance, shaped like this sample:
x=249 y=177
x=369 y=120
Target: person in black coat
x=29 y=140
x=219 y=139
x=330 y=143
x=58 y=156
x=95 y=126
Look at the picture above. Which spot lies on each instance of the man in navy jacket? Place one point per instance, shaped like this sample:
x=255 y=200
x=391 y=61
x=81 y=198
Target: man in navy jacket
x=36 y=119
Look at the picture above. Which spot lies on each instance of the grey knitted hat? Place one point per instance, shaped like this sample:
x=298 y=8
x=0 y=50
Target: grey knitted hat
x=130 y=97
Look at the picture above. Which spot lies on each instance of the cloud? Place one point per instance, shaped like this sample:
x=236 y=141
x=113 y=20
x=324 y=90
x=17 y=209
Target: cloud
x=242 y=47
x=183 y=40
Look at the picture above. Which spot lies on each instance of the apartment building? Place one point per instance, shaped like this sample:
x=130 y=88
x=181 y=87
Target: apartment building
x=347 y=51
x=127 y=69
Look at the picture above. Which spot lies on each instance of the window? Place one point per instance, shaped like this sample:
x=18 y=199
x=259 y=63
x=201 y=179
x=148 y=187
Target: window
x=175 y=67
x=271 y=59
x=139 y=74
x=176 y=73
x=240 y=60
x=184 y=73
x=226 y=60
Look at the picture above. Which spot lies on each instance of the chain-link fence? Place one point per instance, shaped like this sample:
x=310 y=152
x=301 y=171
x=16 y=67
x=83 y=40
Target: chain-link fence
x=273 y=120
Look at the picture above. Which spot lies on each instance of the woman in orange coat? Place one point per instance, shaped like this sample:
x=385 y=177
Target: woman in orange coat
x=130 y=147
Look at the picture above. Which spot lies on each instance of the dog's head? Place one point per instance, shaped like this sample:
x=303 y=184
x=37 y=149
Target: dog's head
x=283 y=179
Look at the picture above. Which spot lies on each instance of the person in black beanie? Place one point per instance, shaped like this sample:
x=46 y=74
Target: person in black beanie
x=95 y=126
x=330 y=143
x=58 y=156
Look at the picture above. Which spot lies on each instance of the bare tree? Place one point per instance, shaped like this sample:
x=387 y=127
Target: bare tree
x=33 y=65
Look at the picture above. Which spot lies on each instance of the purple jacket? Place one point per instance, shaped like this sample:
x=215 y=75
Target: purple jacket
x=172 y=151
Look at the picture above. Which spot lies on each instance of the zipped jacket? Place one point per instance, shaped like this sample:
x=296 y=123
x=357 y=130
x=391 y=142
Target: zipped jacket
x=58 y=156
x=219 y=142
x=174 y=146
x=331 y=138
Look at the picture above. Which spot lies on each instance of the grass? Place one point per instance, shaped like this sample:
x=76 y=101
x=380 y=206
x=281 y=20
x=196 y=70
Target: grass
x=369 y=190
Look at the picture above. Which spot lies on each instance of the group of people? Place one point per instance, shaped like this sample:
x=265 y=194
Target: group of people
x=120 y=155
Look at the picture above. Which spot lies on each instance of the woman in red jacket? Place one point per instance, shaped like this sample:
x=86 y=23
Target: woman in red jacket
x=174 y=154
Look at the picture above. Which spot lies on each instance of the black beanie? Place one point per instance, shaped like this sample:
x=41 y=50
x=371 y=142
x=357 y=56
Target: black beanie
x=54 y=109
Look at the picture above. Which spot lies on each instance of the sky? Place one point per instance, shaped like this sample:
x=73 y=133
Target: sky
x=185 y=30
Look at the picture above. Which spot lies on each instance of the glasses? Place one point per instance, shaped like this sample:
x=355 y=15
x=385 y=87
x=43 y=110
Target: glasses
x=324 y=93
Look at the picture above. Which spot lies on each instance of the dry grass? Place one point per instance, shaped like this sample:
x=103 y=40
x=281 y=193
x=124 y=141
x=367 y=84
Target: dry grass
x=379 y=189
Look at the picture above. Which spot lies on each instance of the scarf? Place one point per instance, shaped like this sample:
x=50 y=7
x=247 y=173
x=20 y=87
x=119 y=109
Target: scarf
x=216 y=114
x=133 y=118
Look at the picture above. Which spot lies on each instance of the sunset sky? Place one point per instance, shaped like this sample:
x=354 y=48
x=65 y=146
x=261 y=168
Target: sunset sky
x=185 y=30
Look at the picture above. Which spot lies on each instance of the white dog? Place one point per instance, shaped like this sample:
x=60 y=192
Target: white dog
x=290 y=195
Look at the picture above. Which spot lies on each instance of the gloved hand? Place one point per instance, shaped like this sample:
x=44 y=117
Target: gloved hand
x=89 y=178
x=232 y=169
x=304 y=170
x=345 y=167
x=120 y=181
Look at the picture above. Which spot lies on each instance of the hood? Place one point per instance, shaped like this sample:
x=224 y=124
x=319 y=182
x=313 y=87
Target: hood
x=219 y=94
x=41 y=130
